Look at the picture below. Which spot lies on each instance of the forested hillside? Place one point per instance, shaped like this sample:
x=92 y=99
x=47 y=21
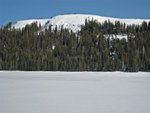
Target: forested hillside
x=94 y=48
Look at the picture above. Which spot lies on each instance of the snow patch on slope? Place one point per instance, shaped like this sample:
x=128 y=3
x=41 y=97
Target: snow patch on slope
x=119 y=36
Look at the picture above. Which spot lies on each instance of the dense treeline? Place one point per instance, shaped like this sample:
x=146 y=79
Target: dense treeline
x=31 y=48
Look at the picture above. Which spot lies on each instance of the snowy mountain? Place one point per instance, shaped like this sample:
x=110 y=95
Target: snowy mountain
x=74 y=21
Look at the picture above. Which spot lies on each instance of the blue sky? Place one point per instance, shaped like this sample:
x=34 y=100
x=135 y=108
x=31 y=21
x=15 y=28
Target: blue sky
x=14 y=10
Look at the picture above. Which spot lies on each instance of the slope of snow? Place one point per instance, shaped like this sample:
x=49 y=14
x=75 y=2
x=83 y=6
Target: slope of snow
x=74 y=21
x=74 y=92
x=21 y=24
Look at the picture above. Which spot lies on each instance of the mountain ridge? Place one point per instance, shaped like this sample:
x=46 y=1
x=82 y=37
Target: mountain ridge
x=74 y=21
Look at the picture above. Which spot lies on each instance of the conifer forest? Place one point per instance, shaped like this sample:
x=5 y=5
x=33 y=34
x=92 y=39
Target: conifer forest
x=93 y=48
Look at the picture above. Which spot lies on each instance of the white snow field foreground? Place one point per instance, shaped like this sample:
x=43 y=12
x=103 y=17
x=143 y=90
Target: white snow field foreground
x=74 y=92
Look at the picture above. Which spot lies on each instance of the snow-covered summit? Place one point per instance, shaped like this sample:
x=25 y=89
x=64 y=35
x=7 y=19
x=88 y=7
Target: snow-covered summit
x=74 y=21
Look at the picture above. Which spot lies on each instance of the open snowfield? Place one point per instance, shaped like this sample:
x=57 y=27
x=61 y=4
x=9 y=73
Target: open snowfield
x=74 y=92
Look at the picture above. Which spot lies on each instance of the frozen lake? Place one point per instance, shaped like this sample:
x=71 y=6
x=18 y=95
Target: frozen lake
x=78 y=92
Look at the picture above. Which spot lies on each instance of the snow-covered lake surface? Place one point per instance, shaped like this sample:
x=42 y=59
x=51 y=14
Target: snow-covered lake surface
x=74 y=92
